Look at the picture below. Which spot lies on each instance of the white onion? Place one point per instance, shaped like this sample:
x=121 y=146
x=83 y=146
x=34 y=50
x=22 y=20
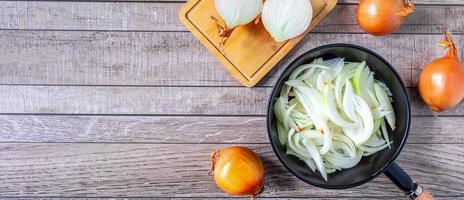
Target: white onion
x=238 y=12
x=286 y=19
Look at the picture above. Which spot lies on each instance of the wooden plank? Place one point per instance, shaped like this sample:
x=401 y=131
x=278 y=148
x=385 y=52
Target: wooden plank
x=336 y=198
x=133 y=100
x=90 y=16
x=329 y=198
x=115 y=58
x=183 y=129
x=164 y=17
x=167 y=170
x=417 y=2
x=234 y=198
x=151 y=100
x=102 y=58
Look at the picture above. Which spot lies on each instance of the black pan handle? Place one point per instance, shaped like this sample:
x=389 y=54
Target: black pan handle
x=401 y=179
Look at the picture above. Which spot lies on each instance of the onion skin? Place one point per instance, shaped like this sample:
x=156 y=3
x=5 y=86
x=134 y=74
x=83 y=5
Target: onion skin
x=237 y=170
x=441 y=82
x=382 y=17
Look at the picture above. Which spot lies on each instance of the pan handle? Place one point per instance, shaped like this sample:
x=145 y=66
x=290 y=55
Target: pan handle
x=401 y=179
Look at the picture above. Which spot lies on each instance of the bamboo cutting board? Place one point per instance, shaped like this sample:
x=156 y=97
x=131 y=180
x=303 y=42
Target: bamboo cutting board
x=250 y=52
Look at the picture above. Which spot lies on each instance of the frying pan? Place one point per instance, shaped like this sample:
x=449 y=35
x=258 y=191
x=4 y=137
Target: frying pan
x=370 y=166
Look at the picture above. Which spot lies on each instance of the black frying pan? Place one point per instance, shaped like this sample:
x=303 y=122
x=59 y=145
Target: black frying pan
x=371 y=166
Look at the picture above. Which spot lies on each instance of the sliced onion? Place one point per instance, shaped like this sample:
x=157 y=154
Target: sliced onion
x=314 y=153
x=348 y=102
x=346 y=73
x=287 y=119
x=362 y=133
x=331 y=113
x=385 y=133
x=382 y=97
x=282 y=133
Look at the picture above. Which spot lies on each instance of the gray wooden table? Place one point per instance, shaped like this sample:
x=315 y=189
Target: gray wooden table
x=116 y=99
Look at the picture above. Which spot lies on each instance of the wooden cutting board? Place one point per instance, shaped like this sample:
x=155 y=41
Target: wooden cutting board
x=250 y=52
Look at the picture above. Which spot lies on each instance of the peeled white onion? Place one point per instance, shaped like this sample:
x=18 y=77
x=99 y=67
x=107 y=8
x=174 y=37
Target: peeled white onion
x=238 y=12
x=286 y=19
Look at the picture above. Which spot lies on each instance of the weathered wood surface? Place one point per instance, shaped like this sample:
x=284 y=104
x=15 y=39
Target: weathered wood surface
x=183 y=129
x=119 y=58
x=341 y=2
x=180 y=170
x=153 y=100
x=164 y=17
x=116 y=99
x=235 y=198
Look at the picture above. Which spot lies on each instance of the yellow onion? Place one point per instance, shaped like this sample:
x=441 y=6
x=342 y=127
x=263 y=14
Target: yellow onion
x=237 y=170
x=441 y=82
x=382 y=17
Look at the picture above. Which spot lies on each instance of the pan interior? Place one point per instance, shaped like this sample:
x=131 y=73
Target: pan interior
x=370 y=166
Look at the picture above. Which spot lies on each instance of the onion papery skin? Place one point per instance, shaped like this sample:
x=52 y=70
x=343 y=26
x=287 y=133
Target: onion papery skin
x=382 y=17
x=238 y=170
x=441 y=82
